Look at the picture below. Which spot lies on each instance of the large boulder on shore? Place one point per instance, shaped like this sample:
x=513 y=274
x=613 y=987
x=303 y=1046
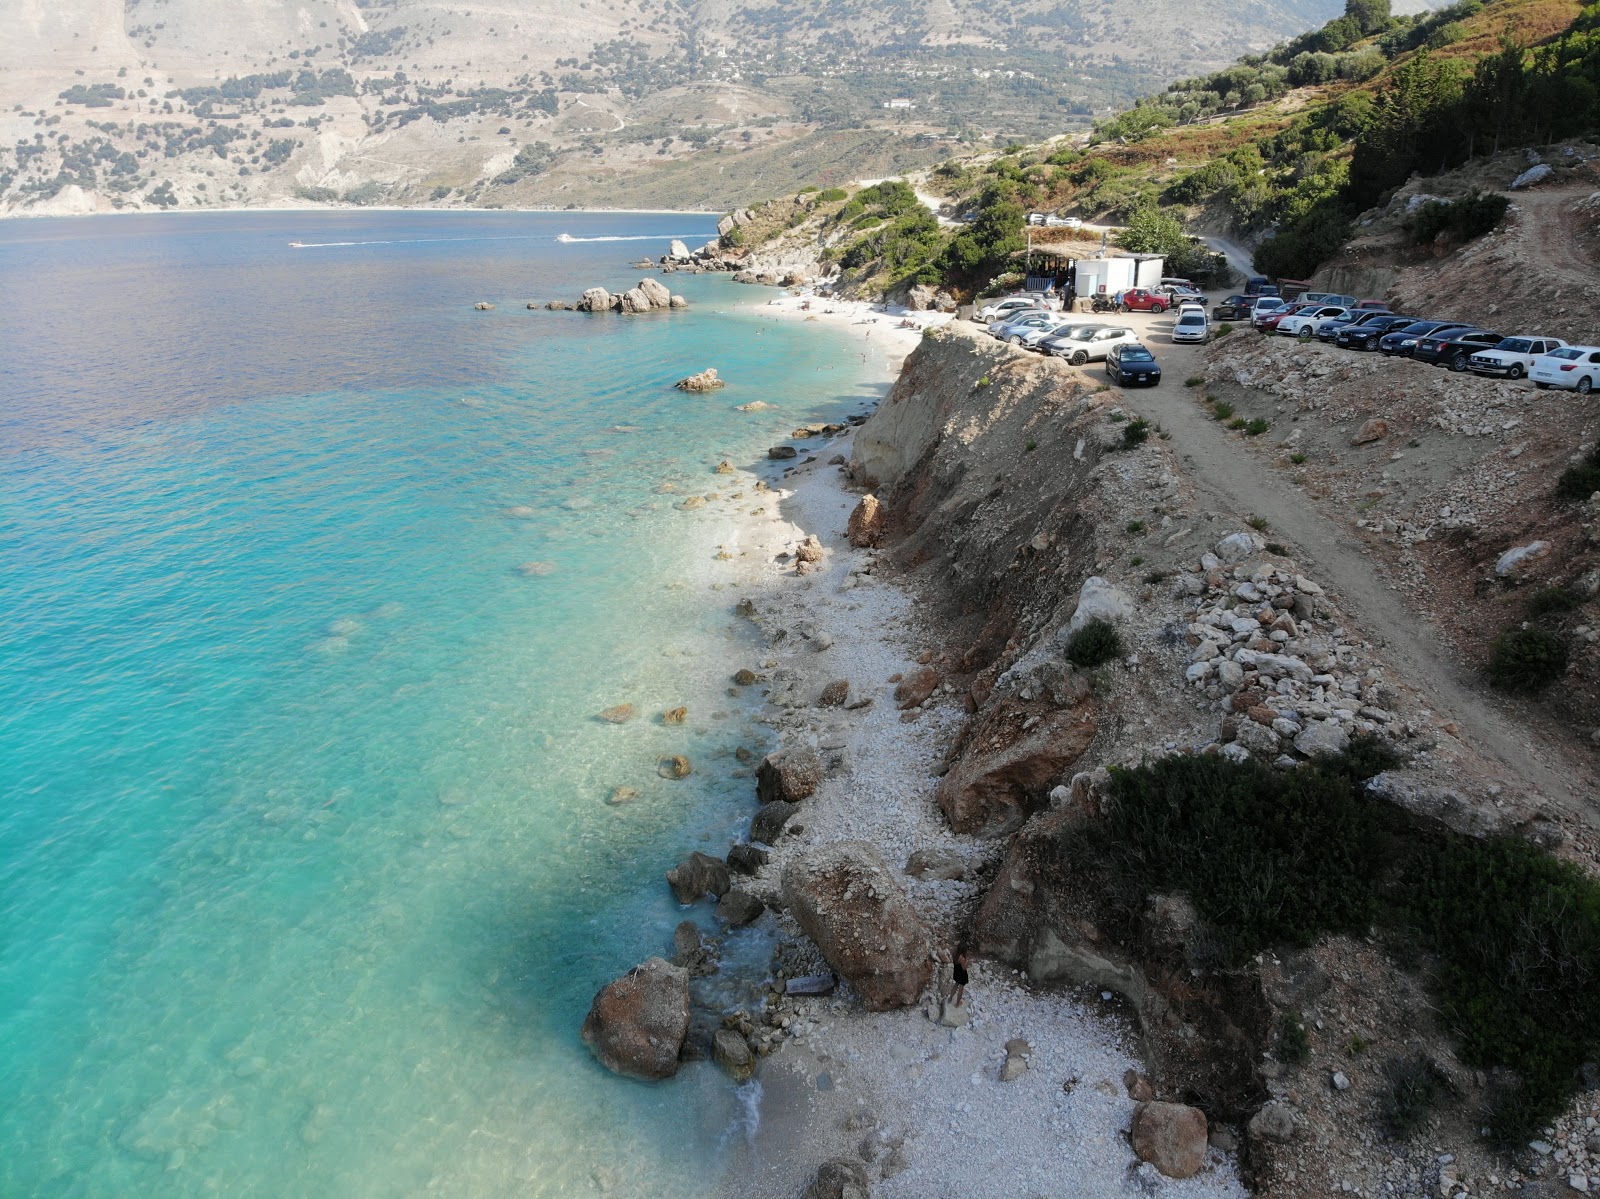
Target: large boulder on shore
x=848 y=902
x=637 y=1024
x=1171 y=1137
x=596 y=299
x=677 y=251
x=1009 y=768
x=634 y=300
x=790 y=775
x=699 y=874
x=840 y=1178
x=866 y=522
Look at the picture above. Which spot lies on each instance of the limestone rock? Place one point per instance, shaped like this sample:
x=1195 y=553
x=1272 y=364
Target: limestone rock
x=767 y=825
x=637 y=1024
x=484 y=306
x=690 y=951
x=747 y=859
x=678 y=302
x=654 y=293
x=677 y=251
x=1371 y=430
x=706 y=380
x=991 y=791
x=1171 y=1137
x=1016 y=1063
x=620 y=714
x=596 y=299
x=935 y=864
x=675 y=716
x=790 y=775
x=699 y=874
x=634 y=300
x=1238 y=546
x=1533 y=175
x=622 y=795
x=1100 y=599
x=732 y=1052
x=781 y=453
x=809 y=550
x=1322 y=739
x=1515 y=559
x=1274 y=1122
x=739 y=908
x=836 y=694
x=840 y=1178
x=674 y=766
x=846 y=901
x=866 y=522
x=916 y=688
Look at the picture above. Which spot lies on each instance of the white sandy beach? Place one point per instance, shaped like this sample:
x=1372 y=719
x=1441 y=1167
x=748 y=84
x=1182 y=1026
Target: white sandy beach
x=923 y=1101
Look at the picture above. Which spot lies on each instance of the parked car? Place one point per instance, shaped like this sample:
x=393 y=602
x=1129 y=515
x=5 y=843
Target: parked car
x=1143 y=299
x=1571 y=368
x=1012 y=328
x=1260 y=285
x=999 y=308
x=1096 y=345
x=1129 y=363
x=1273 y=320
x=1264 y=307
x=1402 y=341
x=1328 y=330
x=1191 y=325
x=1031 y=339
x=1366 y=335
x=1513 y=357
x=1328 y=297
x=1380 y=305
x=1177 y=296
x=1303 y=324
x=1063 y=222
x=1234 y=308
x=1454 y=347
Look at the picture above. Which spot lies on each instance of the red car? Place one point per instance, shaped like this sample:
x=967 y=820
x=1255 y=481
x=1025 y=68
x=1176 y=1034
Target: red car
x=1269 y=323
x=1142 y=299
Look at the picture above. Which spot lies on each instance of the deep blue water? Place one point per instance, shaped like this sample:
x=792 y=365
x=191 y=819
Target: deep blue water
x=306 y=877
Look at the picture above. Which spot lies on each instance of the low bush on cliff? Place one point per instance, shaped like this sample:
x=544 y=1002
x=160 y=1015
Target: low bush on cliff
x=1527 y=659
x=1266 y=856
x=1094 y=645
x=1516 y=936
x=1509 y=935
x=1581 y=481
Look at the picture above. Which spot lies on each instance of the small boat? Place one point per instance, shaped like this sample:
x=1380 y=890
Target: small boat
x=566 y=237
x=297 y=245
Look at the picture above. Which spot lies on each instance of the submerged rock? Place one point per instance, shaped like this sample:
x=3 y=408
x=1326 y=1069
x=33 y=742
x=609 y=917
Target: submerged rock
x=699 y=874
x=732 y=1052
x=619 y=714
x=674 y=766
x=637 y=1024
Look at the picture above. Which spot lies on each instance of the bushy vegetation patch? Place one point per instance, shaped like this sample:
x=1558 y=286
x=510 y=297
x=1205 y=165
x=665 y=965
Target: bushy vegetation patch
x=1527 y=659
x=1415 y=1086
x=1475 y=214
x=1581 y=481
x=1135 y=433
x=1516 y=937
x=1509 y=935
x=1551 y=601
x=1097 y=643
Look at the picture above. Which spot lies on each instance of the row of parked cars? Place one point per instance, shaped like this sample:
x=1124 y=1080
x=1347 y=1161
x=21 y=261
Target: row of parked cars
x=1356 y=324
x=1128 y=362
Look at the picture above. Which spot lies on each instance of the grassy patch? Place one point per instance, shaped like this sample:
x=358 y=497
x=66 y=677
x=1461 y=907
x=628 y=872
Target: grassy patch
x=1256 y=426
x=1222 y=410
x=1294 y=1043
x=1297 y=458
x=1097 y=643
x=1415 y=1086
x=1276 y=547
x=1549 y=601
x=1195 y=381
x=1223 y=330
x=1135 y=433
x=1135 y=526
x=1259 y=523
x=1238 y=422
x=1581 y=481
x=1031 y=446
x=1527 y=659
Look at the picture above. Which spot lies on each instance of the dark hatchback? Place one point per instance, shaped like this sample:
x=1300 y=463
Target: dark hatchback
x=1234 y=308
x=1130 y=364
x=1357 y=319
x=1366 y=335
x=1454 y=347
x=1399 y=342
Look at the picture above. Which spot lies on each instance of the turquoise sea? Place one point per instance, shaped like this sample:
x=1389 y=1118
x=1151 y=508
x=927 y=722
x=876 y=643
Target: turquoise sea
x=306 y=873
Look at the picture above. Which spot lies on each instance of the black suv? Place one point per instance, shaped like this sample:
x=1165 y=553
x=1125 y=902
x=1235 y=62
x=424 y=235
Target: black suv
x=1454 y=347
x=1365 y=335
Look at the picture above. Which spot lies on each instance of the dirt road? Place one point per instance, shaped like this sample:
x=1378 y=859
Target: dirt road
x=1237 y=483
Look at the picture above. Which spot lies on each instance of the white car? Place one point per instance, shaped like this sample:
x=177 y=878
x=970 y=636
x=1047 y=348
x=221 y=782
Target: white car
x=1000 y=308
x=1191 y=325
x=1032 y=339
x=1571 y=368
x=1063 y=222
x=1304 y=324
x=1093 y=346
x=1513 y=357
x=1012 y=328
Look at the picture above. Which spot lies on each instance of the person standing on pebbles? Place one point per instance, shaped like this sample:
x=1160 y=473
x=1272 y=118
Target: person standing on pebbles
x=958 y=976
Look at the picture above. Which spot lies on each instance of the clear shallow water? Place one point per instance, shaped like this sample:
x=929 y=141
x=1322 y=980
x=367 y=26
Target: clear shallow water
x=306 y=880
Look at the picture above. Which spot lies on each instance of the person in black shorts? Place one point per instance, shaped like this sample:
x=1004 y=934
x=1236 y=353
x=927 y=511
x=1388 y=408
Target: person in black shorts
x=958 y=975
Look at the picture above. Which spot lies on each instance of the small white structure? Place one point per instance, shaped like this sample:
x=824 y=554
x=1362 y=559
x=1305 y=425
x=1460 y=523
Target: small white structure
x=1111 y=275
x=899 y=102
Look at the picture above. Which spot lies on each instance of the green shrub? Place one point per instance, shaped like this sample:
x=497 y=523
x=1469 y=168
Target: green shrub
x=1297 y=458
x=1259 y=523
x=1527 y=659
x=1195 y=381
x=1274 y=547
x=1223 y=329
x=1223 y=410
x=1256 y=426
x=1267 y=857
x=1548 y=601
x=832 y=195
x=1475 y=214
x=1294 y=1043
x=1415 y=1087
x=1136 y=526
x=1135 y=433
x=1516 y=935
x=1238 y=422
x=1097 y=643
x=1581 y=481
x=1031 y=446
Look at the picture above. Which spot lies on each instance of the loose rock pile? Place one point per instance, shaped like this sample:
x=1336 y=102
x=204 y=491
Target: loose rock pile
x=1287 y=680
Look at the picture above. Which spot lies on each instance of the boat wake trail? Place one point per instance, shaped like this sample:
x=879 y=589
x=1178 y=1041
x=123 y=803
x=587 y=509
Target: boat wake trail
x=567 y=237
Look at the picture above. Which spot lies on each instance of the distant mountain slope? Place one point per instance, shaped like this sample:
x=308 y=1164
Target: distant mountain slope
x=104 y=103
